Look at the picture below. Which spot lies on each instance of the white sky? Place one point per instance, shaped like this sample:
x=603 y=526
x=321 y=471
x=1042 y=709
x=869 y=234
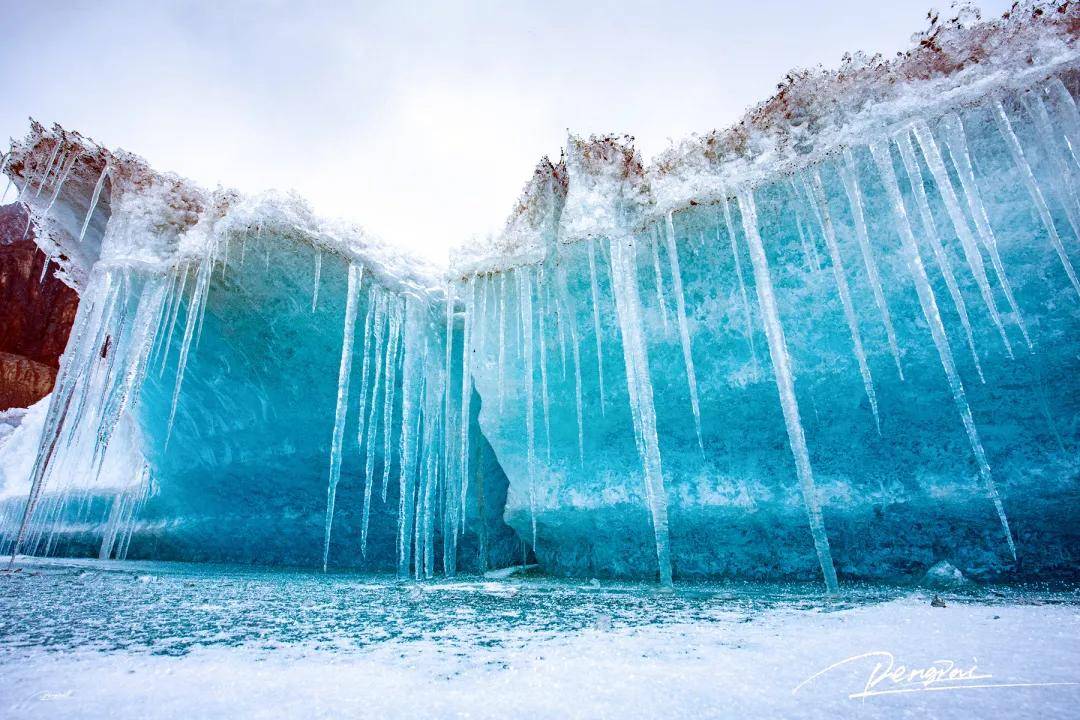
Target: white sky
x=422 y=121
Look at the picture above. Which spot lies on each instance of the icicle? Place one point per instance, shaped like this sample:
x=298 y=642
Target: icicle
x=1005 y=127
x=318 y=275
x=365 y=373
x=380 y=301
x=785 y=385
x=524 y=278
x=1056 y=91
x=466 y=390
x=44 y=175
x=482 y=318
x=390 y=377
x=431 y=429
x=341 y=413
x=196 y=309
x=171 y=298
x=809 y=248
x=817 y=193
x=956 y=141
x=1063 y=185
x=102 y=322
x=562 y=302
x=911 y=165
x=108 y=538
x=596 y=321
x=502 y=340
x=739 y=276
x=541 y=284
x=561 y=329
x=411 y=375
x=850 y=178
x=60 y=183
x=937 y=330
x=420 y=462
x=3 y=171
x=659 y=281
x=183 y=271
x=956 y=215
x=448 y=392
x=576 y=351
x=684 y=331
x=640 y=391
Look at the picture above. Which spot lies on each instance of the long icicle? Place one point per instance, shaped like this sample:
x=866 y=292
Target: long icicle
x=785 y=385
x=379 y=298
x=956 y=141
x=1063 y=185
x=44 y=175
x=390 y=378
x=1022 y=166
x=952 y=205
x=98 y=186
x=318 y=276
x=365 y=373
x=448 y=390
x=341 y=411
x=911 y=166
x=850 y=179
x=411 y=372
x=640 y=391
x=655 y=244
x=883 y=158
x=562 y=301
x=542 y=335
x=730 y=227
x=524 y=277
x=684 y=330
x=466 y=390
x=196 y=308
x=817 y=193
x=62 y=178
x=596 y=321
x=1056 y=91
x=501 y=291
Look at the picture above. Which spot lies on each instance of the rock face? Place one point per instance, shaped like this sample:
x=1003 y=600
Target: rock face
x=35 y=314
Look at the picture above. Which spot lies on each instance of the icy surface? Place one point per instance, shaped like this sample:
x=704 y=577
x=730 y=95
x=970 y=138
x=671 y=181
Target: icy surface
x=163 y=641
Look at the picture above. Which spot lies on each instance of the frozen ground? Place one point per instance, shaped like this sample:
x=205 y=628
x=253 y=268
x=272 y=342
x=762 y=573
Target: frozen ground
x=89 y=639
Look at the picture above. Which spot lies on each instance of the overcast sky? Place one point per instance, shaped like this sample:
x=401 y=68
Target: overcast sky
x=422 y=121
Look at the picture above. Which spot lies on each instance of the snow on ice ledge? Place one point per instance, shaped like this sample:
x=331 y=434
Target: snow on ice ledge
x=634 y=298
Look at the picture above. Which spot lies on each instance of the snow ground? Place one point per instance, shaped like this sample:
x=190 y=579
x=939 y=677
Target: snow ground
x=745 y=661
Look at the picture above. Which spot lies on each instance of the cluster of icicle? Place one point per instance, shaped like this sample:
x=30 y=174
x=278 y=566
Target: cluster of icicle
x=397 y=334
x=602 y=196
x=541 y=294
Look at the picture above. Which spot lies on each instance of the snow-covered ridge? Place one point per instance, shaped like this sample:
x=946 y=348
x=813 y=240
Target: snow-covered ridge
x=599 y=184
x=90 y=204
x=816 y=112
x=953 y=63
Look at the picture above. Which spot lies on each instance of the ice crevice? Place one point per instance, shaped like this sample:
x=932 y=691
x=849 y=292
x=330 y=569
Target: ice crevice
x=342 y=404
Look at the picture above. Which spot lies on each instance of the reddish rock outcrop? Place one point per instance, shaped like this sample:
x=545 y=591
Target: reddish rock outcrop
x=35 y=314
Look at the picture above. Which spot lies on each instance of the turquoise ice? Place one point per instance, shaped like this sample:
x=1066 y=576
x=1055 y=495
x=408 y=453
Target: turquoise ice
x=839 y=344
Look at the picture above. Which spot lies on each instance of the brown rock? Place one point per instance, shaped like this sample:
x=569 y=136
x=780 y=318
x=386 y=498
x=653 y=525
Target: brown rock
x=35 y=314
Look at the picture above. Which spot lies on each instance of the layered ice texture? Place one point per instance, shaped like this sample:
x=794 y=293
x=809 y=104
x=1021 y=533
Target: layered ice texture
x=838 y=340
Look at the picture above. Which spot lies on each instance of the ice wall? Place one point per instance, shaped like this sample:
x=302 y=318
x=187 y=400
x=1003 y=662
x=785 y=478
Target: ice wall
x=835 y=340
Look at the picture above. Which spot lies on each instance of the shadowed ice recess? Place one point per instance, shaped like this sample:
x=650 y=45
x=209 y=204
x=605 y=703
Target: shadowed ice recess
x=838 y=340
